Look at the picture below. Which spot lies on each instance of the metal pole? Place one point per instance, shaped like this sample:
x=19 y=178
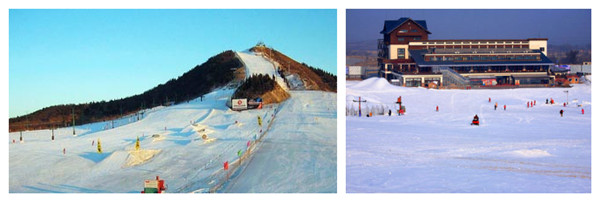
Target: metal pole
x=73 y=113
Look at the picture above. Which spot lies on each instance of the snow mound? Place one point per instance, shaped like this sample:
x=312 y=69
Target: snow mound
x=530 y=153
x=374 y=84
x=140 y=156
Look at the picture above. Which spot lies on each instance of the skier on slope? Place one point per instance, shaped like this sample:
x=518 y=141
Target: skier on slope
x=390 y=112
x=495 y=105
x=475 y=120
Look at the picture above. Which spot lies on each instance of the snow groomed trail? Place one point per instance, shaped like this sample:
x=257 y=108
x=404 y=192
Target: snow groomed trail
x=185 y=144
x=299 y=150
x=256 y=63
x=520 y=150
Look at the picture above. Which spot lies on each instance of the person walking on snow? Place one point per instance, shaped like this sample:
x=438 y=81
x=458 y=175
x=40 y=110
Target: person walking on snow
x=495 y=106
x=437 y=108
x=489 y=99
x=546 y=100
x=504 y=107
x=561 y=113
x=527 y=104
x=390 y=112
x=581 y=110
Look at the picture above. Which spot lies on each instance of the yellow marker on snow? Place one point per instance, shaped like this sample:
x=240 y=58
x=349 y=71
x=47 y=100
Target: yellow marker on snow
x=137 y=144
x=99 y=147
x=259 y=121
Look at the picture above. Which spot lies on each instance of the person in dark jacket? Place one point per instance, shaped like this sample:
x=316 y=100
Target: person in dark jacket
x=561 y=113
x=390 y=112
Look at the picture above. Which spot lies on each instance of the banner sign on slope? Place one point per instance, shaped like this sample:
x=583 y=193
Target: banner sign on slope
x=239 y=104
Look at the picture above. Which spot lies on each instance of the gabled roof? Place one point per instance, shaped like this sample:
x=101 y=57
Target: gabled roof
x=390 y=25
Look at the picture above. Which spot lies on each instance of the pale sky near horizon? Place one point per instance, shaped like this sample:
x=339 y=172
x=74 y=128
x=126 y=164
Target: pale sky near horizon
x=84 y=55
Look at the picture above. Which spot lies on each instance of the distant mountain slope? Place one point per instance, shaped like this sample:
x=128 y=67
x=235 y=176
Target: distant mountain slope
x=215 y=72
x=310 y=77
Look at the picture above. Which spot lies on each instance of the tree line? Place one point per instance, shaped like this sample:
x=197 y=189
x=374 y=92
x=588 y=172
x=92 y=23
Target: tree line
x=215 y=72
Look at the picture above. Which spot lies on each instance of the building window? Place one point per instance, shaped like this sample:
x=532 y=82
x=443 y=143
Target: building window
x=413 y=30
x=417 y=38
x=402 y=31
x=401 y=53
x=400 y=39
x=542 y=49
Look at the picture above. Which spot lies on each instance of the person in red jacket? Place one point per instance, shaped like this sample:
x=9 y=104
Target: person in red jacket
x=504 y=107
x=475 y=120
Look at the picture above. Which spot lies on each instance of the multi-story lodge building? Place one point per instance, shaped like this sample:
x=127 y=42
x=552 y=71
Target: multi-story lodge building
x=407 y=57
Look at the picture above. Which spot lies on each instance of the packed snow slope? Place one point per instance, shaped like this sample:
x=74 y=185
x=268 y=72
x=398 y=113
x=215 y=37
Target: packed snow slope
x=256 y=63
x=517 y=150
x=187 y=145
x=39 y=165
x=299 y=154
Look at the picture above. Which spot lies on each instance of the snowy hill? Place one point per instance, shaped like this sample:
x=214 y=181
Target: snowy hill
x=187 y=145
x=519 y=150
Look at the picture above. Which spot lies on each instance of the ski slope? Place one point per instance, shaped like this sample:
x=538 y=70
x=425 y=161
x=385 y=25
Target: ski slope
x=256 y=63
x=173 y=147
x=520 y=150
x=299 y=150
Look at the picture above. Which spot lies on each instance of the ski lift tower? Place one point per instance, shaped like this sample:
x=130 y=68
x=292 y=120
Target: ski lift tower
x=73 y=113
x=359 y=101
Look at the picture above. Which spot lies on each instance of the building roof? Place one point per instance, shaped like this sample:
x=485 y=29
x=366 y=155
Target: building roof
x=390 y=25
x=418 y=57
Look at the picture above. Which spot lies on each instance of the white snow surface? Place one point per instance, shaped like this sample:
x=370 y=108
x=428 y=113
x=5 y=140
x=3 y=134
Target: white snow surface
x=297 y=154
x=520 y=150
x=256 y=63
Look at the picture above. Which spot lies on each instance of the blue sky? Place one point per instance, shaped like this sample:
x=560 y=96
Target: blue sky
x=560 y=26
x=79 y=56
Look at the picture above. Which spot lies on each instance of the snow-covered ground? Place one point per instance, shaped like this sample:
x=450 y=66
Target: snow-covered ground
x=256 y=63
x=300 y=143
x=518 y=150
x=299 y=155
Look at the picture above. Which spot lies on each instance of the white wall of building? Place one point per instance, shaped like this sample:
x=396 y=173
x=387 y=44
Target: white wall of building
x=537 y=44
x=355 y=70
x=394 y=51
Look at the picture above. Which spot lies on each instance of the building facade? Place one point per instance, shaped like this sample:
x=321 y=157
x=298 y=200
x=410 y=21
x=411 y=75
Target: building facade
x=407 y=57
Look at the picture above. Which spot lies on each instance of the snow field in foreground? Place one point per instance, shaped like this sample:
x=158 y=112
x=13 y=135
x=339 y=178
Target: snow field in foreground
x=518 y=150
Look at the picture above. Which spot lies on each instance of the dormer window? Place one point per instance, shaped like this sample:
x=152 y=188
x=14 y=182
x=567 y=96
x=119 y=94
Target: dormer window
x=402 y=31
